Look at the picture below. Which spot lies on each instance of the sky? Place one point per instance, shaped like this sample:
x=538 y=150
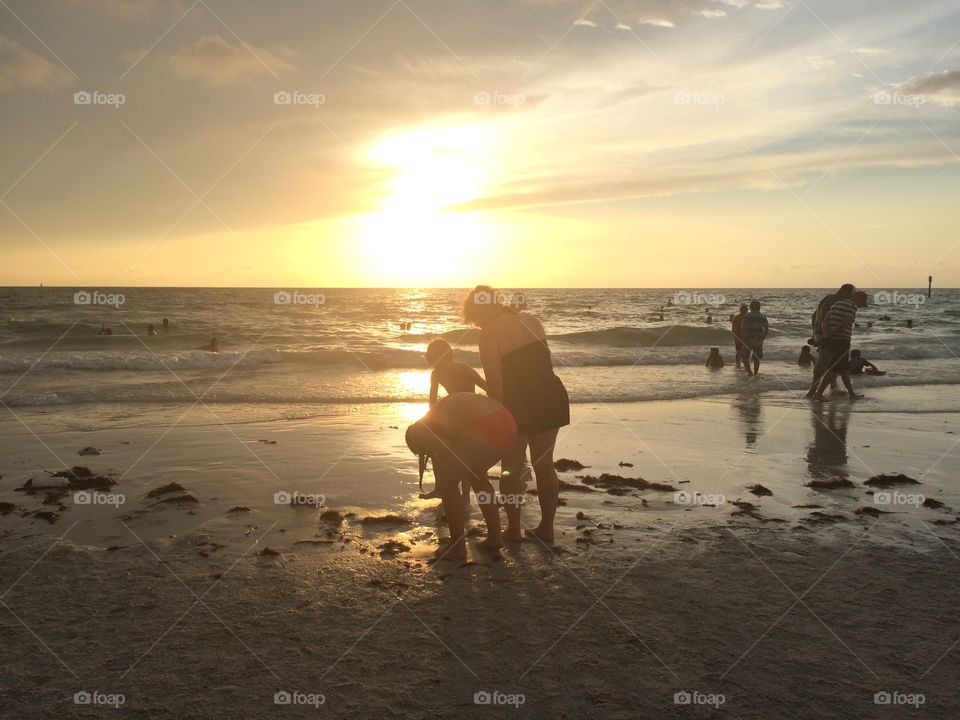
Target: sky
x=524 y=143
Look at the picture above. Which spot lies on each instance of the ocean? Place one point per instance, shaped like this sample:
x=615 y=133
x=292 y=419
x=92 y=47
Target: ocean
x=298 y=352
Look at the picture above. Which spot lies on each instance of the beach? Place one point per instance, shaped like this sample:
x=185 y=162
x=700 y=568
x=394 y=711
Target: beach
x=753 y=604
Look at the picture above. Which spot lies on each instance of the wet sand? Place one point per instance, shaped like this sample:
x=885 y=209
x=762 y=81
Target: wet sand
x=787 y=604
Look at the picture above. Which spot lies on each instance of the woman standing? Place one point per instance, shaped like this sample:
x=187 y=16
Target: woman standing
x=519 y=372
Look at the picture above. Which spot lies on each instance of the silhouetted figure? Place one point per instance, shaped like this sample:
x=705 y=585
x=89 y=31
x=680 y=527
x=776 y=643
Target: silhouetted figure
x=861 y=366
x=755 y=330
x=736 y=325
x=452 y=375
x=835 y=348
x=806 y=357
x=212 y=346
x=165 y=324
x=104 y=330
x=714 y=359
x=151 y=330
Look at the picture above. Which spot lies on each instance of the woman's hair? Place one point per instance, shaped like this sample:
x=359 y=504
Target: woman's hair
x=480 y=301
x=438 y=350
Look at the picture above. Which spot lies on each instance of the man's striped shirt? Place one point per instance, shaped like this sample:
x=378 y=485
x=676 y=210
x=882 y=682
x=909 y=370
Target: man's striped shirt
x=839 y=320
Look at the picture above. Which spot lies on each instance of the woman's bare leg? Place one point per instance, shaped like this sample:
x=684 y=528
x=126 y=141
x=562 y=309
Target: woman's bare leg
x=548 y=485
x=477 y=458
x=511 y=486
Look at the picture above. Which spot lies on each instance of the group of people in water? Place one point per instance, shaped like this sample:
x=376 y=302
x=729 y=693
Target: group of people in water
x=832 y=323
x=212 y=346
x=466 y=434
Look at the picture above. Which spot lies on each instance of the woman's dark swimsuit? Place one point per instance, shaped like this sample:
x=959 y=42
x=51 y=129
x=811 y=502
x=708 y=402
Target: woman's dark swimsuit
x=535 y=396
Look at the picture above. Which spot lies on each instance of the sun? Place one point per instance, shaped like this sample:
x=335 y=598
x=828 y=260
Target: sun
x=415 y=237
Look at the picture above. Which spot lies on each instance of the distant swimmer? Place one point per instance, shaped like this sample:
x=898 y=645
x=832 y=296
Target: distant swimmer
x=661 y=313
x=669 y=302
x=714 y=360
x=709 y=319
x=806 y=357
x=151 y=330
x=861 y=366
x=909 y=323
x=212 y=346
x=104 y=330
x=165 y=324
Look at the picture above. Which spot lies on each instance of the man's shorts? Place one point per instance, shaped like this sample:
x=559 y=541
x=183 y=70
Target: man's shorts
x=754 y=345
x=835 y=354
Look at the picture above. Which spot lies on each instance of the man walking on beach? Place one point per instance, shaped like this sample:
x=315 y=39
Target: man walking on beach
x=755 y=330
x=819 y=330
x=736 y=325
x=837 y=327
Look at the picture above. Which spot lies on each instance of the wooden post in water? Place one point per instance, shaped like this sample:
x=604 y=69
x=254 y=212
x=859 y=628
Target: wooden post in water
x=929 y=285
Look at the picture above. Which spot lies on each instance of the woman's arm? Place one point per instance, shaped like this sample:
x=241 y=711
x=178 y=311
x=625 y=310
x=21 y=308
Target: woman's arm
x=434 y=388
x=478 y=380
x=490 y=357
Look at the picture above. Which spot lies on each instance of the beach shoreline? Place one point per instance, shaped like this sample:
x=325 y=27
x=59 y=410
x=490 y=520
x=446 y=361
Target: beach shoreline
x=293 y=592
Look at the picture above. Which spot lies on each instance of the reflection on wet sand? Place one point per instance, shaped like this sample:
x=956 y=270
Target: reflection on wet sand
x=827 y=454
x=750 y=411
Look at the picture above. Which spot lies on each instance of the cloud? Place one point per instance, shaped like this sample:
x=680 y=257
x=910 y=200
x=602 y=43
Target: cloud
x=934 y=83
x=871 y=52
x=657 y=22
x=942 y=87
x=583 y=22
x=219 y=62
x=769 y=5
x=707 y=13
x=21 y=67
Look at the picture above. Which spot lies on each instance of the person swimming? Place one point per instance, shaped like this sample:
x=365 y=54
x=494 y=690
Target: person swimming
x=104 y=330
x=165 y=324
x=806 y=357
x=464 y=435
x=151 y=330
x=715 y=360
x=212 y=346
